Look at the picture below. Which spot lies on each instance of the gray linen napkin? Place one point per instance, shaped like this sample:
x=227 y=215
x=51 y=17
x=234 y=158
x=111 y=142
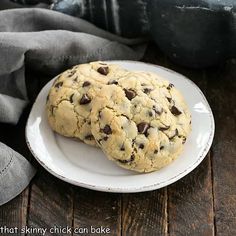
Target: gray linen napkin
x=46 y=42
x=15 y=173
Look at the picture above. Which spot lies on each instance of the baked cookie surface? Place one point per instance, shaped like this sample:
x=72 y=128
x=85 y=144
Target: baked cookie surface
x=141 y=122
x=69 y=100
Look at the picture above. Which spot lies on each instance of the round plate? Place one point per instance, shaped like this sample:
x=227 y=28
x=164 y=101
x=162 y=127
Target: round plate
x=86 y=166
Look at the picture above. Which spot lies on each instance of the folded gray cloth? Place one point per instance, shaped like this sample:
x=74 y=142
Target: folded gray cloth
x=46 y=42
x=15 y=173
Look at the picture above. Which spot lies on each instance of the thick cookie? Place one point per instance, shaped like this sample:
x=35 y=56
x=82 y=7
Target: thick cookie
x=141 y=123
x=70 y=98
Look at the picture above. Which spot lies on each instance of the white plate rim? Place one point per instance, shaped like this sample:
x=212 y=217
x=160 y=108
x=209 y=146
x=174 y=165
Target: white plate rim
x=145 y=188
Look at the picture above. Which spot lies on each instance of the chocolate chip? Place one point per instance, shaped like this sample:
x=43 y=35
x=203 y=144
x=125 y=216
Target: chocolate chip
x=164 y=128
x=141 y=146
x=107 y=130
x=129 y=93
x=170 y=86
x=158 y=112
x=105 y=138
x=150 y=114
x=162 y=147
x=147 y=90
x=127 y=161
x=71 y=73
x=175 y=111
x=122 y=148
x=85 y=99
x=86 y=84
x=89 y=137
x=156 y=151
x=112 y=82
x=143 y=127
x=71 y=98
x=169 y=99
x=104 y=70
x=59 y=84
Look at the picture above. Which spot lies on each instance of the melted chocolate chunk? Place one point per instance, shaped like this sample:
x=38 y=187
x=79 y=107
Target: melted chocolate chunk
x=156 y=151
x=169 y=99
x=147 y=90
x=85 y=99
x=143 y=127
x=71 y=98
x=104 y=70
x=175 y=111
x=58 y=85
x=105 y=138
x=150 y=114
x=129 y=93
x=89 y=137
x=170 y=86
x=112 y=82
x=107 y=130
x=162 y=147
x=86 y=84
x=141 y=146
x=164 y=128
x=158 y=112
x=127 y=161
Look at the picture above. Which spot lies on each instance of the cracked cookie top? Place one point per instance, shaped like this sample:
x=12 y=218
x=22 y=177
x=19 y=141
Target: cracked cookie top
x=141 y=121
x=70 y=98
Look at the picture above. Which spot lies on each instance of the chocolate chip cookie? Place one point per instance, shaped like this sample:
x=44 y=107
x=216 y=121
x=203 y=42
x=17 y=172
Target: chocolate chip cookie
x=70 y=98
x=141 y=122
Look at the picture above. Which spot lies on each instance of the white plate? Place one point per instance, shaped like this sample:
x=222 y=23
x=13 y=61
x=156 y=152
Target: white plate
x=86 y=166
